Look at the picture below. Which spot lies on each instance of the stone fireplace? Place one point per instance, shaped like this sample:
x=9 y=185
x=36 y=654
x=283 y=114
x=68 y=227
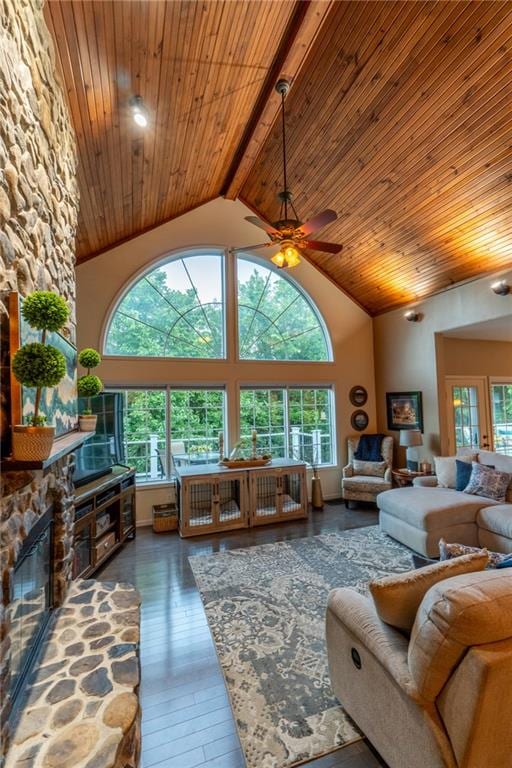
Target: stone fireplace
x=31 y=501
x=38 y=217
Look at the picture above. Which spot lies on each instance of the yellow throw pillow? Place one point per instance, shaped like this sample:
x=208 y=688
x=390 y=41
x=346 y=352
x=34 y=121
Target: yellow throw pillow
x=398 y=597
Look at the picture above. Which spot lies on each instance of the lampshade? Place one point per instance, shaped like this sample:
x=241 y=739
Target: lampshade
x=410 y=437
x=288 y=256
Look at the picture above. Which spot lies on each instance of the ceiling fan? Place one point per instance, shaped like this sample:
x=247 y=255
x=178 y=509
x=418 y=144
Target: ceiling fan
x=291 y=234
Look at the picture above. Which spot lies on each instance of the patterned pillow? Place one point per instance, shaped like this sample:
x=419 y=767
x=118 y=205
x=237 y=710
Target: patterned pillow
x=369 y=468
x=487 y=482
x=447 y=551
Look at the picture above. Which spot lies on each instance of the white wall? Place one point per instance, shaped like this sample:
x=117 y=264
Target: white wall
x=221 y=223
x=408 y=355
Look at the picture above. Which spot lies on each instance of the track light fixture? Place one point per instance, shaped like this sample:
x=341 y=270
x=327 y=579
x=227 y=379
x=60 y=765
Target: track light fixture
x=412 y=316
x=501 y=287
x=139 y=111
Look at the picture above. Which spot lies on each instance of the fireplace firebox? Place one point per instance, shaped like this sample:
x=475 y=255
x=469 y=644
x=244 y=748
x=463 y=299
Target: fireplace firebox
x=31 y=601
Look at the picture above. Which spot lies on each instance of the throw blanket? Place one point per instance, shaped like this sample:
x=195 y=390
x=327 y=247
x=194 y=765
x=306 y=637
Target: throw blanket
x=369 y=448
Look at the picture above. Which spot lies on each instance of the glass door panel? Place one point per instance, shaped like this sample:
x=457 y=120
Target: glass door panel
x=501 y=412
x=467 y=411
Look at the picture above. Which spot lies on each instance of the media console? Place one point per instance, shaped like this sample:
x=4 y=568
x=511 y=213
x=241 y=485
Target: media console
x=104 y=519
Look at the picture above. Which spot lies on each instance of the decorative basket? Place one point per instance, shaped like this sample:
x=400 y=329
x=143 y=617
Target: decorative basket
x=32 y=443
x=165 y=517
x=244 y=463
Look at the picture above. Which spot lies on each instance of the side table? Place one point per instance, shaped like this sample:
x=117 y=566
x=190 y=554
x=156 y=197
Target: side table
x=403 y=477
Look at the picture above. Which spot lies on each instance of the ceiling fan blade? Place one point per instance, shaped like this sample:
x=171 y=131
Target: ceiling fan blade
x=317 y=222
x=252 y=247
x=319 y=245
x=259 y=223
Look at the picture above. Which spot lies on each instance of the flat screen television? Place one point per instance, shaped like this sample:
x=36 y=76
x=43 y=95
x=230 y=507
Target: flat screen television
x=98 y=454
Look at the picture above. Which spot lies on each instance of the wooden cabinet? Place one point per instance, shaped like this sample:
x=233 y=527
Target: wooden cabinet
x=212 y=498
x=104 y=519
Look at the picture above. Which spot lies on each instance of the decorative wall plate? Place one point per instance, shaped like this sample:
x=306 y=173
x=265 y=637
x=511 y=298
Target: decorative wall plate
x=358 y=395
x=359 y=420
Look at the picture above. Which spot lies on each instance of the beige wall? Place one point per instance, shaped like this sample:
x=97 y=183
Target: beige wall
x=221 y=223
x=473 y=357
x=407 y=354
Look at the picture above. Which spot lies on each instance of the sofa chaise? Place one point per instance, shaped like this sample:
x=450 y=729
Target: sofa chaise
x=420 y=515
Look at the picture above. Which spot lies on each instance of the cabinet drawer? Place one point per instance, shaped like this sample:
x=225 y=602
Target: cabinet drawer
x=104 y=545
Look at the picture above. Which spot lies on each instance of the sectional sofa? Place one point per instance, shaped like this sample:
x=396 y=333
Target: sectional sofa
x=420 y=515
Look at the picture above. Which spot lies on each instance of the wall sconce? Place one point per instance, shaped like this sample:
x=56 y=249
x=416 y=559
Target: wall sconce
x=412 y=316
x=139 y=111
x=501 y=288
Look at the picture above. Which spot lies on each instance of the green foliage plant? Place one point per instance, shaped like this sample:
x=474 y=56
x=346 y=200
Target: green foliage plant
x=39 y=364
x=89 y=385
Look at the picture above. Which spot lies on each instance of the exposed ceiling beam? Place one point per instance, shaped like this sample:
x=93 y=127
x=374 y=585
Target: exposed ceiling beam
x=302 y=30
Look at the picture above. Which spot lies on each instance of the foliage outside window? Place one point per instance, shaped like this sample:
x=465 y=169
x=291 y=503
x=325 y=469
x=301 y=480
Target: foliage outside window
x=197 y=418
x=177 y=310
x=291 y=423
x=275 y=320
x=144 y=415
x=174 y=311
x=501 y=398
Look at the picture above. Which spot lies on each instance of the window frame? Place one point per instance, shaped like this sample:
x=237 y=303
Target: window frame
x=230 y=330
x=170 y=256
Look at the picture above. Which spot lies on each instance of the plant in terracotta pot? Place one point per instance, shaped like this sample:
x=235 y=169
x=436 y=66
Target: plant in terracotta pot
x=89 y=386
x=39 y=365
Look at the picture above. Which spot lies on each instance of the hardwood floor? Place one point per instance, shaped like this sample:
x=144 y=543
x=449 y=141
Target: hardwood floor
x=186 y=717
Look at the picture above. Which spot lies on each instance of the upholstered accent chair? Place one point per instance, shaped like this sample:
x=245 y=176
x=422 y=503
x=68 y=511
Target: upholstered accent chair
x=441 y=698
x=366 y=484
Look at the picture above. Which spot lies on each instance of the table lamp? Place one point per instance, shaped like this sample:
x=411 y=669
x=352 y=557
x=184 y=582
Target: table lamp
x=410 y=439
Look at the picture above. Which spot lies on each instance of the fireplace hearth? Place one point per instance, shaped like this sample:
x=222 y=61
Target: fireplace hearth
x=31 y=602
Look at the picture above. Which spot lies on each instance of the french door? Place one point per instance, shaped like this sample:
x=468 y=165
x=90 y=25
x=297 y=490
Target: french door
x=501 y=415
x=468 y=413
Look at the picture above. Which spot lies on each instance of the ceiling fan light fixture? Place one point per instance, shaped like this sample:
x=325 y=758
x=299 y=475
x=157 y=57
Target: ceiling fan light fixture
x=287 y=257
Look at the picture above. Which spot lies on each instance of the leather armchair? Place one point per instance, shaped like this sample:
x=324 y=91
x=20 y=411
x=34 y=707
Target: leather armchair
x=441 y=698
x=357 y=486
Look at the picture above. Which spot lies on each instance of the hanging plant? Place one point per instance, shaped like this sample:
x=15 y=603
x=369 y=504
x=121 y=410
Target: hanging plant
x=39 y=365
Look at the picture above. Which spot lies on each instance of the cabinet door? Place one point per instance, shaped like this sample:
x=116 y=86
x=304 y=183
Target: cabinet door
x=82 y=551
x=277 y=494
x=213 y=503
x=127 y=513
x=292 y=494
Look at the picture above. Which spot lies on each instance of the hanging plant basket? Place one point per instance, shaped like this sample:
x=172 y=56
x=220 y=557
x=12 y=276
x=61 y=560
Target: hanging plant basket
x=32 y=443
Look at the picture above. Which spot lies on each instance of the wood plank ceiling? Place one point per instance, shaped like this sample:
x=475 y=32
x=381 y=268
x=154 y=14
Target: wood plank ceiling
x=399 y=118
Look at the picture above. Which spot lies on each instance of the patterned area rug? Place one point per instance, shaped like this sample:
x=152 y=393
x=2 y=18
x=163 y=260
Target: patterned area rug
x=266 y=610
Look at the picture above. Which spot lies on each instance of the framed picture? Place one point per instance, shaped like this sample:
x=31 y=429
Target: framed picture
x=58 y=404
x=358 y=396
x=359 y=420
x=404 y=410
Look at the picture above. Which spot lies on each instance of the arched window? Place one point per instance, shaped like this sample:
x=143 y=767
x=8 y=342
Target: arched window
x=275 y=320
x=176 y=310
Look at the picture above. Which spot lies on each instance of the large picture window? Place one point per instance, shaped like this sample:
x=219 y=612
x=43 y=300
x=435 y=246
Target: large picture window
x=292 y=423
x=275 y=320
x=176 y=310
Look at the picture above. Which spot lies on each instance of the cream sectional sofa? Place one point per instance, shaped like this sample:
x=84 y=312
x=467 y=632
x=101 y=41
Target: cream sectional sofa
x=421 y=515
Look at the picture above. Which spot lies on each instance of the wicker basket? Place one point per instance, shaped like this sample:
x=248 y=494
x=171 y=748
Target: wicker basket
x=165 y=517
x=32 y=443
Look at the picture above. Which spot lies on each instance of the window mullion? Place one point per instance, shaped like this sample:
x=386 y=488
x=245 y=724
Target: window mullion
x=287 y=424
x=167 y=432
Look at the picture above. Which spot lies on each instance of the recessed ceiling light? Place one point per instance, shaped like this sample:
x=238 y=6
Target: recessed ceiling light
x=139 y=111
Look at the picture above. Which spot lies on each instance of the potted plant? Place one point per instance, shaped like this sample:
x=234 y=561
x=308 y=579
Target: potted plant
x=88 y=386
x=38 y=365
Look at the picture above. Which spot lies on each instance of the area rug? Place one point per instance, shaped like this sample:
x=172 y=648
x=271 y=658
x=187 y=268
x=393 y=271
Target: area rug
x=266 y=610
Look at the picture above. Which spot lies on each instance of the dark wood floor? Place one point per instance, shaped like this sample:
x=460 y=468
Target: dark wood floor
x=186 y=717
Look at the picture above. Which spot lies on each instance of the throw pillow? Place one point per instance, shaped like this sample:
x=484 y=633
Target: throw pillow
x=487 y=482
x=506 y=562
x=463 y=471
x=449 y=550
x=369 y=468
x=398 y=597
x=446 y=469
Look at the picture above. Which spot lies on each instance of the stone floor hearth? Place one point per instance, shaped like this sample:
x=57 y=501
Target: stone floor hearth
x=82 y=708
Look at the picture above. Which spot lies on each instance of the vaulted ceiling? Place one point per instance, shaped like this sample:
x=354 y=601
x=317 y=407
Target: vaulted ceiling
x=399 y=118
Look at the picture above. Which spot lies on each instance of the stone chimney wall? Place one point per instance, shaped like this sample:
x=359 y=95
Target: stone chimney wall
x=38 y=218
